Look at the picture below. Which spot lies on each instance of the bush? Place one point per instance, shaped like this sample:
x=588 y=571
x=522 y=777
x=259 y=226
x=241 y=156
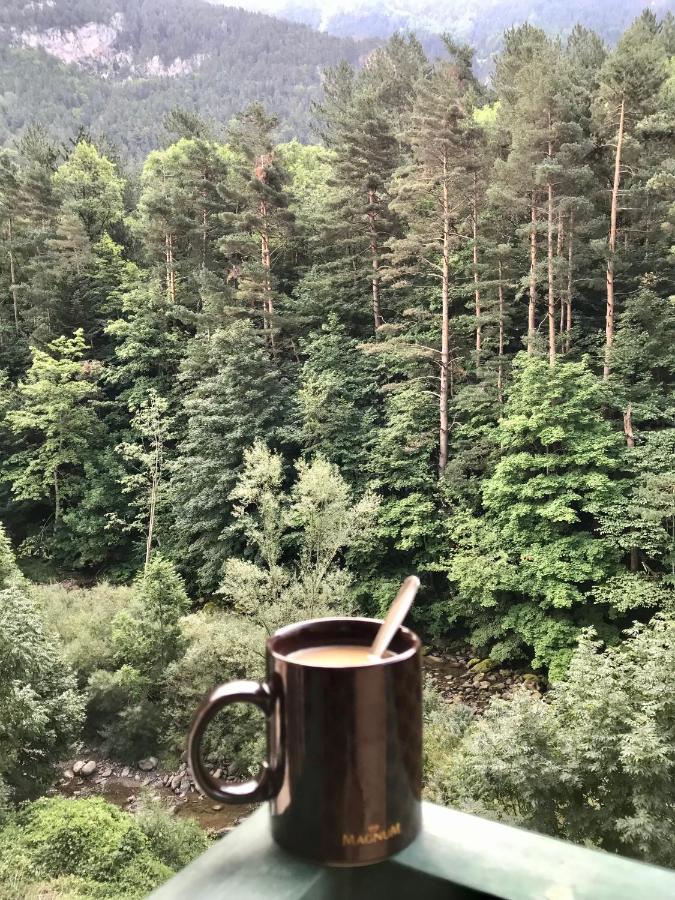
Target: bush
x=125 y=705
x=593 y=763
x=444 y=726
x=220 y=647
x=122 y=712
x=89 y=849
x=40 y=709
x=81 y=617
x=175 y=842
x=89 y=838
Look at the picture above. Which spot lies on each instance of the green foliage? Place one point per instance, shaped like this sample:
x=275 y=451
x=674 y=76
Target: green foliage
x=91 y=189
x=40 y=707
x=145 y=637
x=595 y=766
x=218 y=647
x=174 y=842
x=558 y=471
x=56 y=420
x=81 y=617
x=335 y=396
x=9 y=571
x=235 y=395
x=318 y=519
x=90 y=849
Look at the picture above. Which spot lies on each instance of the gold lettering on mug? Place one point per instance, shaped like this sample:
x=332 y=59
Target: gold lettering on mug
x=372 y=836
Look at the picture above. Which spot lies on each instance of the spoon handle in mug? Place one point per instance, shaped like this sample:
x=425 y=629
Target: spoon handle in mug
x=397 y=613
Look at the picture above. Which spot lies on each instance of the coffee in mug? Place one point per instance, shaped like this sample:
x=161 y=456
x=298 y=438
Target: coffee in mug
x=336 y=655
x=344 y=741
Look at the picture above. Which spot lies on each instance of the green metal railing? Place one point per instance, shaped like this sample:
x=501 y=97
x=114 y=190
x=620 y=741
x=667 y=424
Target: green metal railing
x=456 y=856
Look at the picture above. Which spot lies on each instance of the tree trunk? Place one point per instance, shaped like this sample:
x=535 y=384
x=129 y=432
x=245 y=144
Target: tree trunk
x=630 y=443
x=551 y=289
x=558 y=254
x=12 y=277
x=532 y=308
x=374 y=251
x=151 y=522
x=609 y=318
x=170 y=271
x=57 y=499
x=474 y=219
x=568 y=323
x=500 y=357
x=445 y=332
x=204 y=237
x=266 y=259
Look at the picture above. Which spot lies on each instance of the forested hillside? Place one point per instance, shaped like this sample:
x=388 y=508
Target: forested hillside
x=116 y=67
x=480 y=24
x=265 y=381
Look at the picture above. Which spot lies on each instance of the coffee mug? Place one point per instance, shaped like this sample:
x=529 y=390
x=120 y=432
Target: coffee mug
x=344 y=743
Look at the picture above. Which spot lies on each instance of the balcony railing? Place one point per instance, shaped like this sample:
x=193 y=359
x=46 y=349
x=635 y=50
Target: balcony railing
x=456 y=856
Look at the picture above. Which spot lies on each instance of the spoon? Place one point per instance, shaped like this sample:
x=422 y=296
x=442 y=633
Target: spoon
x=397 y=613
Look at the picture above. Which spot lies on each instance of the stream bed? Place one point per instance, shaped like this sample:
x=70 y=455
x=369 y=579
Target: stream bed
x=123 y=785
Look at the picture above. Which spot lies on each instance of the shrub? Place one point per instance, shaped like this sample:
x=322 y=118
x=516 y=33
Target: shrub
x=89 y=838
x=40 y=708
x=175 y=842
x=593 y=763
x=220 y=647
x=81 y=617
x=444 y=727
x=125 y=705
x=90 y=849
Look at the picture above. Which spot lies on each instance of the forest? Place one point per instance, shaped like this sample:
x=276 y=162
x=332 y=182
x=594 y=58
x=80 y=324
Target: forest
x=116 y=67
x=261 y=381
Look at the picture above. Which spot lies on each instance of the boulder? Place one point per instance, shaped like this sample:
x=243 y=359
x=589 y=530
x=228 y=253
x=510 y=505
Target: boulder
x=175 y=781
x=77 y=768
x=106 y=773
x=147 y=765
x=68 y=774
x=89 y=768
x=126 y=771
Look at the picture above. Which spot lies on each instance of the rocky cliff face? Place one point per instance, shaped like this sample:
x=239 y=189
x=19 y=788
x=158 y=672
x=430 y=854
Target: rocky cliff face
x=99 y=47
x=116 y=67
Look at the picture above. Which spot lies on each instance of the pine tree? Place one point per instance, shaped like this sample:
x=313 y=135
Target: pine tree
x=357 y=127
x=186 y=191
x=234 y=394
x=629 y=83
x=434 y=194
x=58 y=423
x=263 y=222
x=523 y=567
x=337 y=398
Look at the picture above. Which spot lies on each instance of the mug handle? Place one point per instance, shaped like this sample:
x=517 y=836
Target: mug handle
x=253 y=791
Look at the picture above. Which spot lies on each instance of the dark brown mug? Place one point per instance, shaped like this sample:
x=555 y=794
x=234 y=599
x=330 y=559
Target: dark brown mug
x=344 y=745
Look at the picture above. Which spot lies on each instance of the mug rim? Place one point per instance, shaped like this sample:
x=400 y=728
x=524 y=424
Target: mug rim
x=415 y=641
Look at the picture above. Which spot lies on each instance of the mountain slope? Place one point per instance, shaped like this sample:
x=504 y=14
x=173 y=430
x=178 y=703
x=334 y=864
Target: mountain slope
x=117 y=66
x=480 y=23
